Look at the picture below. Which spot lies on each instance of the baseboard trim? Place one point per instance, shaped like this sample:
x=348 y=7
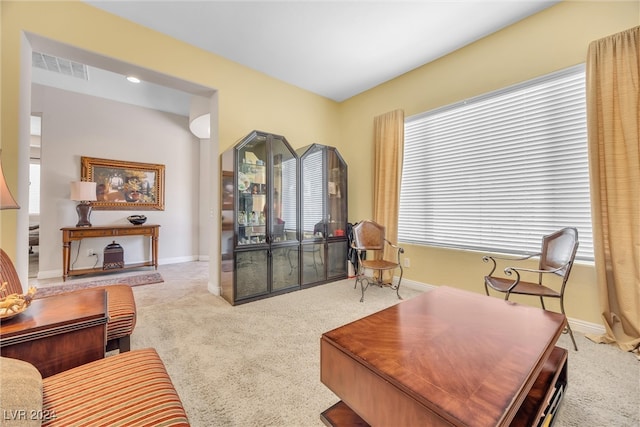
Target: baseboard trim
x=577 y=325
x=584 y=327
x=214 y=288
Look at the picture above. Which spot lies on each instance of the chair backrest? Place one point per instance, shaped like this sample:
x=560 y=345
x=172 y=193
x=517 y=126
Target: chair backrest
x=559 y=249
x=278 y=230
x=9 y=275
x=368 y=235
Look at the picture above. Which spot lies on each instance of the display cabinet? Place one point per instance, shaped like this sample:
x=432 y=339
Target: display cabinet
x=260 y=246
x=323 y=218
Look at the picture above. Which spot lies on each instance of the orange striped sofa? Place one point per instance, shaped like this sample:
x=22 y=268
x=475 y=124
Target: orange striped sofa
x=121 y=305
x=127 y=389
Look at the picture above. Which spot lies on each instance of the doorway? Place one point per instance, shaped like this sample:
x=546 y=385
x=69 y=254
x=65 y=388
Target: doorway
x=34 y=195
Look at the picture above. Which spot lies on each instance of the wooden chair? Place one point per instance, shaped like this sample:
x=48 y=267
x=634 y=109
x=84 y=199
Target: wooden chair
x=370 y=236
x=557 y=255
x=120 y=305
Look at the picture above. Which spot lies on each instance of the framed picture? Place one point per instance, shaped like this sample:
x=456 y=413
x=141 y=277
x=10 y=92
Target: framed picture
x=122 y=185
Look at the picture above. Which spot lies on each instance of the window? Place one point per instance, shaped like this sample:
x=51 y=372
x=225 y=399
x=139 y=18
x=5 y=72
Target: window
x=496 y=172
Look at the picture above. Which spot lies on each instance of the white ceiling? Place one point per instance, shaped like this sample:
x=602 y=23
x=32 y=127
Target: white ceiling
x=336 y=49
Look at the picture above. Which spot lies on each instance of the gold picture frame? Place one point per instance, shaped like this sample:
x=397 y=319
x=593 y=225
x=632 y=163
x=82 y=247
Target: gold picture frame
x=122 y=185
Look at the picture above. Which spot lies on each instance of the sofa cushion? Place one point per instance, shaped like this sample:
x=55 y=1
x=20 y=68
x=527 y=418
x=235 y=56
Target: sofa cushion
x=132 y=389
x=122 y=311
x=20 y=393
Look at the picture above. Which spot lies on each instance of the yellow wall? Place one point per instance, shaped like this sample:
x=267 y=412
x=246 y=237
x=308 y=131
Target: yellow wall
x=247 y=99
x=551 y=40
x=548 y=41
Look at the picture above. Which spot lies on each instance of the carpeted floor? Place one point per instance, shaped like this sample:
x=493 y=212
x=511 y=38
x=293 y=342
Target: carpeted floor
x=257 y=364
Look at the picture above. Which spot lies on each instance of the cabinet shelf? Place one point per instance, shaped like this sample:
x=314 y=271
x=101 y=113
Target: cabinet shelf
x=100 y=270
x=541 y=404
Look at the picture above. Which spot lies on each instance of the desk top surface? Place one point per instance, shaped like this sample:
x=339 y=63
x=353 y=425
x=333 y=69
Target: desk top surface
x=110 y=227
x=468 y=357
x=59 y=311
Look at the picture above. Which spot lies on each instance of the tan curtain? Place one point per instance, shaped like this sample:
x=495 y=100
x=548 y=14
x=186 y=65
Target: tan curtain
x=613 y=95
x=387 y=172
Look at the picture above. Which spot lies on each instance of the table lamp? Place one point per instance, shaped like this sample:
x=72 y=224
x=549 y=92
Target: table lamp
x=83 y=192
x=6 y=199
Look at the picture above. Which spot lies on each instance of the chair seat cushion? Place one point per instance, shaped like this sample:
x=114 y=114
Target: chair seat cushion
x=131 y=388
x=524 y=288
x=379 y=264
x=122 y=311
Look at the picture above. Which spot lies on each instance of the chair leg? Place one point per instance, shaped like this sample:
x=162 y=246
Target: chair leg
x=568 y=328
x=398 y=285
x=290 y=263
x=573 y=340
x=362 y=278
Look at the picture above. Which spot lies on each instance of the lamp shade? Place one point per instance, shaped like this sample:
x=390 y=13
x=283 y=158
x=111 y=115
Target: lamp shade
x=6 y=199
x=200 y=126
x=200 y=117
x=83 y=191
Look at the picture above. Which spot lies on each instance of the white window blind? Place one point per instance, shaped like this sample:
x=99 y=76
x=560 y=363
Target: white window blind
x=313 y=190
x=289 y=205
x=496 y=172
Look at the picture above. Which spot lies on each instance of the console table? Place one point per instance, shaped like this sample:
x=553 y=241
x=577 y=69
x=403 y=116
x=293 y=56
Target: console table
x=58 y=332
x=70 y=234
x=446 y=358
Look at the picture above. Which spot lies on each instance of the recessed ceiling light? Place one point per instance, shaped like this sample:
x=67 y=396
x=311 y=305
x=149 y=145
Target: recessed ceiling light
x=133 y=79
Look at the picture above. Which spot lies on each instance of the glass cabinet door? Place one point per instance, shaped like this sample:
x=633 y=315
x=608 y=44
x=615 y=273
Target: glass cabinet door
x=252 y=191
x=314 y=196
x=282 y=215
x=337 y=195
x=323 y=214
x=260 y=244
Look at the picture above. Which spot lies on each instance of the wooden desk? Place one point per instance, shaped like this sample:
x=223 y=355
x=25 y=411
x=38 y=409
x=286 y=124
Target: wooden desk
x=59 y=332
x=70 y=234
x=445 y=358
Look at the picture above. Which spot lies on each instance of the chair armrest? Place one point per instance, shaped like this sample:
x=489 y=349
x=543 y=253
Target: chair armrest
x=399 y=249
x=510 y=270
x=493 y=259
x=514 y=270
x=358 y=250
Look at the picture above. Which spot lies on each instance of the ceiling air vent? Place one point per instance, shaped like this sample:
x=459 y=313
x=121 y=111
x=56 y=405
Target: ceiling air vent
x=59 y=65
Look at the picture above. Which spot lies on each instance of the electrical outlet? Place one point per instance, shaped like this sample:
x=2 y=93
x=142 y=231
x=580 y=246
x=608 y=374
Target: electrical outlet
x=90 y=252
x=407 y=262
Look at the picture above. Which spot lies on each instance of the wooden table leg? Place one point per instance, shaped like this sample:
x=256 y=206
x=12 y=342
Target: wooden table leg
x=66 y=259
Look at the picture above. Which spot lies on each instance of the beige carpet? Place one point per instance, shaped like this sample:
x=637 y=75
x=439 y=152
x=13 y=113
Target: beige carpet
x=257 y=364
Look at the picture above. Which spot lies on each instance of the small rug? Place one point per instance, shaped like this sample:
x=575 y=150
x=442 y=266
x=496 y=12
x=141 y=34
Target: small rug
x=137 y=280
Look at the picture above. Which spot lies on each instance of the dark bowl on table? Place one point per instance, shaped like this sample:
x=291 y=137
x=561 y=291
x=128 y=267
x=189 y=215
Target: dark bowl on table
x=137 y=219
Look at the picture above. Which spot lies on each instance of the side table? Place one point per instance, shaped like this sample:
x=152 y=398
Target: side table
x=58 y=333
x=69 y=234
